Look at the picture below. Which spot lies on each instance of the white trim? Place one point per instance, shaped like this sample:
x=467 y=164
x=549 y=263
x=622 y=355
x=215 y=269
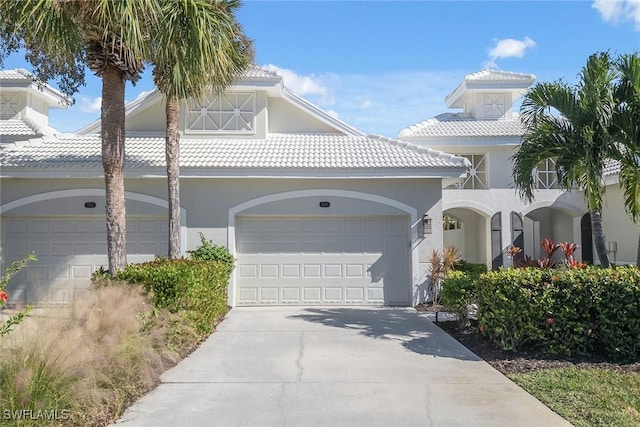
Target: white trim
x=235 y=210
x=60 y=194
x=318 y=113
x=478 y=208
x=568 y=208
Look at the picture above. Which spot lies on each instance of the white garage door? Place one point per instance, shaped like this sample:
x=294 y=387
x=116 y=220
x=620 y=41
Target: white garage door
x=69 y=250
x=341 y=260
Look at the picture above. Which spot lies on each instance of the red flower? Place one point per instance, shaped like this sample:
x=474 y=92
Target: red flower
x=3 y=296
x=550 y=321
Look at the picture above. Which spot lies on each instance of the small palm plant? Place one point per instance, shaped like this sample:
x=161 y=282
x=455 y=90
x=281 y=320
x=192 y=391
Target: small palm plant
x=440 y=263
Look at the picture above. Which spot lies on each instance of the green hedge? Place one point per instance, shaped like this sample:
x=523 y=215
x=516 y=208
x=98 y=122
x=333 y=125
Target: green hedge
x=195 y=289
x=458 y=293
x=563 y=311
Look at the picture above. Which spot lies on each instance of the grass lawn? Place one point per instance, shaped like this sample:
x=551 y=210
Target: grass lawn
x=586 y=397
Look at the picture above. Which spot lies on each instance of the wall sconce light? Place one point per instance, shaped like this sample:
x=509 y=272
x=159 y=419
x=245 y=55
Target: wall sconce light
x=90 y=205
x=426 y=225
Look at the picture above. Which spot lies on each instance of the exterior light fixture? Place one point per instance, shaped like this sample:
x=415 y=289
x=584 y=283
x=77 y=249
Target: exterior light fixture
x=325 y=204
x=90 y=205
x=426 y=225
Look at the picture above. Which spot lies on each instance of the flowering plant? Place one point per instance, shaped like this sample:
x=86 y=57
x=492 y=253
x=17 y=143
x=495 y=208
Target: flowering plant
x=12 y=270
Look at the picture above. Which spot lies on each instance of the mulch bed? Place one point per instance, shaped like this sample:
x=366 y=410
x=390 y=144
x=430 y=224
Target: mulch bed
x=523 y=361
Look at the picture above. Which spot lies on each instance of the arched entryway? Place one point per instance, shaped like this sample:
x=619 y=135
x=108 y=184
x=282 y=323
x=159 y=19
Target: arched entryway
x=468 y=231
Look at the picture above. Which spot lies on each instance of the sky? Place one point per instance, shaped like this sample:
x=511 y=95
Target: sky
x=381 y=66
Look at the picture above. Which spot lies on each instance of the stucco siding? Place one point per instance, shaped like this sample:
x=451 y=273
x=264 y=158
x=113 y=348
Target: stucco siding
x=619 y=228
x=285 y=118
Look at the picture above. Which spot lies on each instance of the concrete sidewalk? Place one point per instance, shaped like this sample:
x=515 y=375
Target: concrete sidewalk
x=335 y=366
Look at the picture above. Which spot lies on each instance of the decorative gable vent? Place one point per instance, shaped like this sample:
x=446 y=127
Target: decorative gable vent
x=493 y=105
x=227 y=113
x=9 y=106
x=546 y=175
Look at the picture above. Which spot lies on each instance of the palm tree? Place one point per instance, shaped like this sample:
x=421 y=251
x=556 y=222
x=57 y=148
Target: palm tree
x=627 y=130
x=199 y=47
x=571 y=124
x=60 y=37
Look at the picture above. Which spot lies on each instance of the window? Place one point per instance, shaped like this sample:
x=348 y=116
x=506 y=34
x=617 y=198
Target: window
x=227 y=113
x=546 y=176
x=476 y=178
x=9 y=106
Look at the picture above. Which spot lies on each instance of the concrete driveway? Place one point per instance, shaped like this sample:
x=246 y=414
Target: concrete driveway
x=334 y=366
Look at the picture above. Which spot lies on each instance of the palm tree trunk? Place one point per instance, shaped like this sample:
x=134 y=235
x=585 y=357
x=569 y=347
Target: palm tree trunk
x=598 y=237
x=172 y=152
x=113 y=135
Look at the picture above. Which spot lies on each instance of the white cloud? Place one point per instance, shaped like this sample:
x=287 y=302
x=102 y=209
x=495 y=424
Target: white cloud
x=616 y=11
x=90 y=105
x=385 y=103
x=301 y=85
x=508 y=48
x=333 y=113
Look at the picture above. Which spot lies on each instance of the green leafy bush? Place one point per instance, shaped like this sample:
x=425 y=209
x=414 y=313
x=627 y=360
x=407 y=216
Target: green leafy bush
x=563 y=311
x=207 y=251
x=472 y=269
x=617 y=323
x=510 y=306
x=195 y=289
x=458 y=293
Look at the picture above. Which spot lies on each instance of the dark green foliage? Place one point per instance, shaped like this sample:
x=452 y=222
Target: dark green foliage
x=195 y=289
x=472 y=269
x=565 y=311
x=458 y=293
x=207 y=251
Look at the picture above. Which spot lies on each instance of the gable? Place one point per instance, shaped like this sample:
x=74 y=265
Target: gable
x=285 y=117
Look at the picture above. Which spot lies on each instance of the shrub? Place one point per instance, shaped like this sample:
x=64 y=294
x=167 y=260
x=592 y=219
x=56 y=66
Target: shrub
x=510 y=306
x=458 y=293
x=472 y=269
x=617 y=300
x=195 y=289
x=563 y=311
x=207 y=251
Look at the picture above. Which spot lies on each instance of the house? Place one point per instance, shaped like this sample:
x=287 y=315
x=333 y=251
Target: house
x=483 y=213
x=315 y=211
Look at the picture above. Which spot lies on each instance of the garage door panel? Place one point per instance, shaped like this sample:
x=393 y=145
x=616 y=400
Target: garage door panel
x=335 y=261
x=69 y=250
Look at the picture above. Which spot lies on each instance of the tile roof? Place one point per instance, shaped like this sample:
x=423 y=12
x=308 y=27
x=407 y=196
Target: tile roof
x=462 y=125
x=13 y=77
x=16 y=127
x=278 y=151
x=17 y=74
x=258 y=72
x=498 y=75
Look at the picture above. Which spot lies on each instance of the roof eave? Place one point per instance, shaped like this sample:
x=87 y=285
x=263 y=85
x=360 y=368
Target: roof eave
x=208 y=173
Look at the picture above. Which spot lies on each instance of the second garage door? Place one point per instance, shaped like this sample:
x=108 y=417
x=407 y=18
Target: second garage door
x=338 y=260
x=69 y=250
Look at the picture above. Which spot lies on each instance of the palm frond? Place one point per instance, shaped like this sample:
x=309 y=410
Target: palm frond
x=199 y=46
